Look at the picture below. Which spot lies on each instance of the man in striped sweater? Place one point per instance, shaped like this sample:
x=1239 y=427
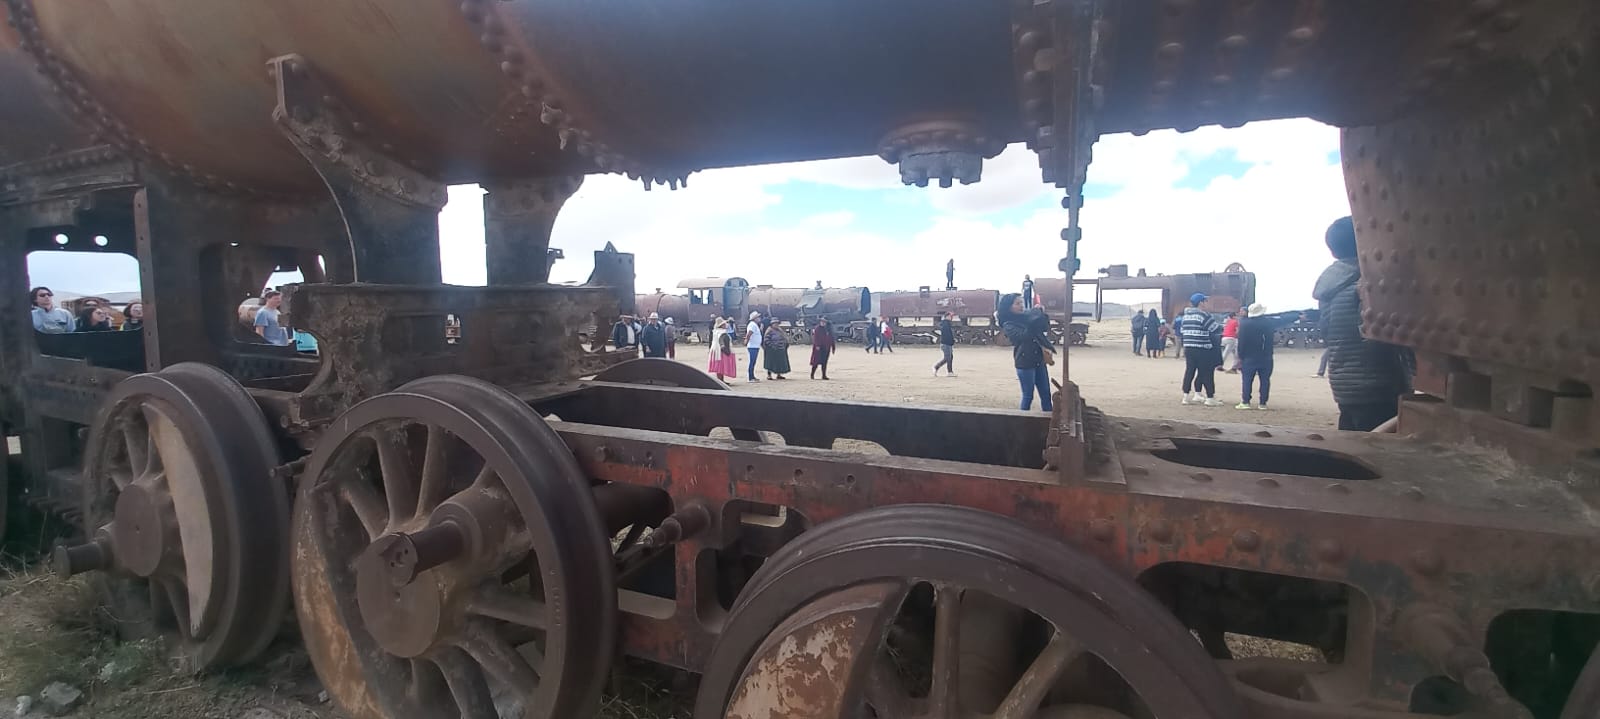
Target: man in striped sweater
x=1201 y=353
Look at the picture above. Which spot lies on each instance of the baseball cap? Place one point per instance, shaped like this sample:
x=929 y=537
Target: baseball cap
x=1197 y=297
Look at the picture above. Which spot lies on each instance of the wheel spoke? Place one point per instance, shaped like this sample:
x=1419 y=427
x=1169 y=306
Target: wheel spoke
x=428 y=686
x=433 y=488
x=500 y=659
x=944 y=701
x=496 y=602
x=486 y=479
x=886 y=693
x=153 y=424
x=175 y=599
x=368 y=506
x=399 y=476
x=467 y=684
x=138 y=448
x=1023 y=700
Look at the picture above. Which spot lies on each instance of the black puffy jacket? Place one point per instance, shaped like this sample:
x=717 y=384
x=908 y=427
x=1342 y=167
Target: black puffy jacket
x=1027 y=335
x=1360 y=371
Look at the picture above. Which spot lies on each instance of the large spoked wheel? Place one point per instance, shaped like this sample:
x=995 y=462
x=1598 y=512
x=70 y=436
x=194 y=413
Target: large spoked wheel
x=450 y=561
x=187 y=526
x=943 y=612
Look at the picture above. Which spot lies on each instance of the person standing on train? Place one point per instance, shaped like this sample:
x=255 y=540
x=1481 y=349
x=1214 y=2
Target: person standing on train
x=950 y=274
x=753 y=336
x=1027 y=292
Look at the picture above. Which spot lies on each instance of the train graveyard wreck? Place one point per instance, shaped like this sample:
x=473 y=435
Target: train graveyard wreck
x=479 y=527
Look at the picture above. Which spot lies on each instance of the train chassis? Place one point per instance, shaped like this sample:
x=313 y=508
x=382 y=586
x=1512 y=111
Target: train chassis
x=478 y=528
x=472 y=527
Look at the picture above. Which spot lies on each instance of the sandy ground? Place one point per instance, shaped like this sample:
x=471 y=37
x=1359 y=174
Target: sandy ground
x=1110 y=375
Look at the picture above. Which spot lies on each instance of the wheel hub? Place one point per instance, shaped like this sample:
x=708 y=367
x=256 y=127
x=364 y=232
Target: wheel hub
x=406 y=620
x=145 y=533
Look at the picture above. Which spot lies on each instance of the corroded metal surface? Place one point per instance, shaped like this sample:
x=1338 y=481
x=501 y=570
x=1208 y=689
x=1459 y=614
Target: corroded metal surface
x=529 y=559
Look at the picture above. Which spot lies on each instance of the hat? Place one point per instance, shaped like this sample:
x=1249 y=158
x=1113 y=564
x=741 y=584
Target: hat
x=1197 y=297
x=669 y=320
x=754 y=315
x=1257 y=310
x=655 y=316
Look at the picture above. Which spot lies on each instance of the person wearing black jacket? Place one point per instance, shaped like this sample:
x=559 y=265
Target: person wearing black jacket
x=654 y=337
x=1367 y=377
x=947 y=345
x=1257 y=332
x=1031 y=349
x=1138 y=331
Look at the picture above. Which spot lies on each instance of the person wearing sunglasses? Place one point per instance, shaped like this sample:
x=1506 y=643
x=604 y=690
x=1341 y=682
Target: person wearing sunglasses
x=47 y=317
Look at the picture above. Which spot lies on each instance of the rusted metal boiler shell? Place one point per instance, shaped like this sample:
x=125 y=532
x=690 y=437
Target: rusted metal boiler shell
x=33 y=124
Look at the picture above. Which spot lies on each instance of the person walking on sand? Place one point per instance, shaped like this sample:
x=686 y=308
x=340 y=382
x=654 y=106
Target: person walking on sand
x=874 y=334
x=1202 y=354
x=723 y=362
x=888 y=337
x=947 y=345
x=1031 y=351
x=1230 y=342
x=1154 y=339
x=1256 y=333
x=653 y=337
x=1367 y=377
x=823 y=346
x=752 y=342
x=672 y=340
x=1138 y=331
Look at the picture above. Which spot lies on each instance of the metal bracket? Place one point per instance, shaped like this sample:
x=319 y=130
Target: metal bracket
x=518 y=217
x=390 y=210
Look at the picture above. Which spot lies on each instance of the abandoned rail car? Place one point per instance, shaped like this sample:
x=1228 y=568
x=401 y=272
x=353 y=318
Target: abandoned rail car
x=468 y=527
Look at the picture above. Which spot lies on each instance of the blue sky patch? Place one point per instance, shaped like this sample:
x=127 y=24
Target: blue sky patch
x=1222 y=163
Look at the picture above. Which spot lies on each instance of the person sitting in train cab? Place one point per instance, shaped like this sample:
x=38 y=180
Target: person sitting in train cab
x=47 y=317
x=133 y=316
x=654 y=337
x=93 y=318
x=267 y=324
x=1367 y=377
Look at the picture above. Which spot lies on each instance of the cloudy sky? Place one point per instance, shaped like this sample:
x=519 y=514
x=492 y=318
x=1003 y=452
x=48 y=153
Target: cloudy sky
x=1260 y=195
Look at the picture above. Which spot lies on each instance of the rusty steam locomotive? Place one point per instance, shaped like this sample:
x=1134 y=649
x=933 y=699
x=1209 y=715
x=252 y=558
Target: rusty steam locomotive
x=478 y=528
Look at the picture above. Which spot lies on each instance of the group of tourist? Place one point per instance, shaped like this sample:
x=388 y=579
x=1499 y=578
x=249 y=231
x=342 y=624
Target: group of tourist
x=1367 y=376
x=765 y=339
x=654 y=338
x=91 y=316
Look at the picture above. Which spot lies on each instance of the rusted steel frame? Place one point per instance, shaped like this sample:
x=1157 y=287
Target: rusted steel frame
x=1000 y=437
x=390 y=211
x=374 y=338
x=517 y=219
x=1466 y=561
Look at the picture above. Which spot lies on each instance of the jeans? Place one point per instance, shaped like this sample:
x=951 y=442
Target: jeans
x=1251 y=369
x=754 y=351
x=1138 y=341
x=949 y=361
x=1322 y=368
x=872 y=339
x=1366 y=417
x=1200 y=370
x=1035 y=378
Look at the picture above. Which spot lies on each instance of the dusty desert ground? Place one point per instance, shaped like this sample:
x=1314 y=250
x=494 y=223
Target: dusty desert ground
x=1111 y=377
x=51 y=630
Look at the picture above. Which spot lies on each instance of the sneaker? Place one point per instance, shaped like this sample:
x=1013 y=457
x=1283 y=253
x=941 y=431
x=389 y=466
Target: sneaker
x=951 y=374
x=1213 y=402
x=1318 y=376
x=1243 y=405
x=1262 y=408
x=1187 y=400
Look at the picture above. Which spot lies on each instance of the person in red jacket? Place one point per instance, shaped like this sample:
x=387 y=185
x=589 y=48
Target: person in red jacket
x=1230 y=343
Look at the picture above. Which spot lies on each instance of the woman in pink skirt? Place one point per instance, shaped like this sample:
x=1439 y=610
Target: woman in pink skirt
x=722 y=362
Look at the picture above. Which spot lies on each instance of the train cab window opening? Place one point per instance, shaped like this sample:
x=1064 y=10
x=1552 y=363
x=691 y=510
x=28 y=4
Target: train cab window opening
x=79 y=298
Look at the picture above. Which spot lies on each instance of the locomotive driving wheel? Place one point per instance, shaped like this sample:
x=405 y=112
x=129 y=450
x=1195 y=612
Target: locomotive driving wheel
x=943 y=612
x=450 y=561
x=187 y=525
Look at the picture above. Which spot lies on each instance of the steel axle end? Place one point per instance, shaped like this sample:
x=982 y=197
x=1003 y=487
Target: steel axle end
x=89 y=557
x=405 y=556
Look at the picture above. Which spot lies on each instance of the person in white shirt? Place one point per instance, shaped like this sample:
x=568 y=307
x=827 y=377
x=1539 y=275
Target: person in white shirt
x=47 y=317
x=752 y=341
